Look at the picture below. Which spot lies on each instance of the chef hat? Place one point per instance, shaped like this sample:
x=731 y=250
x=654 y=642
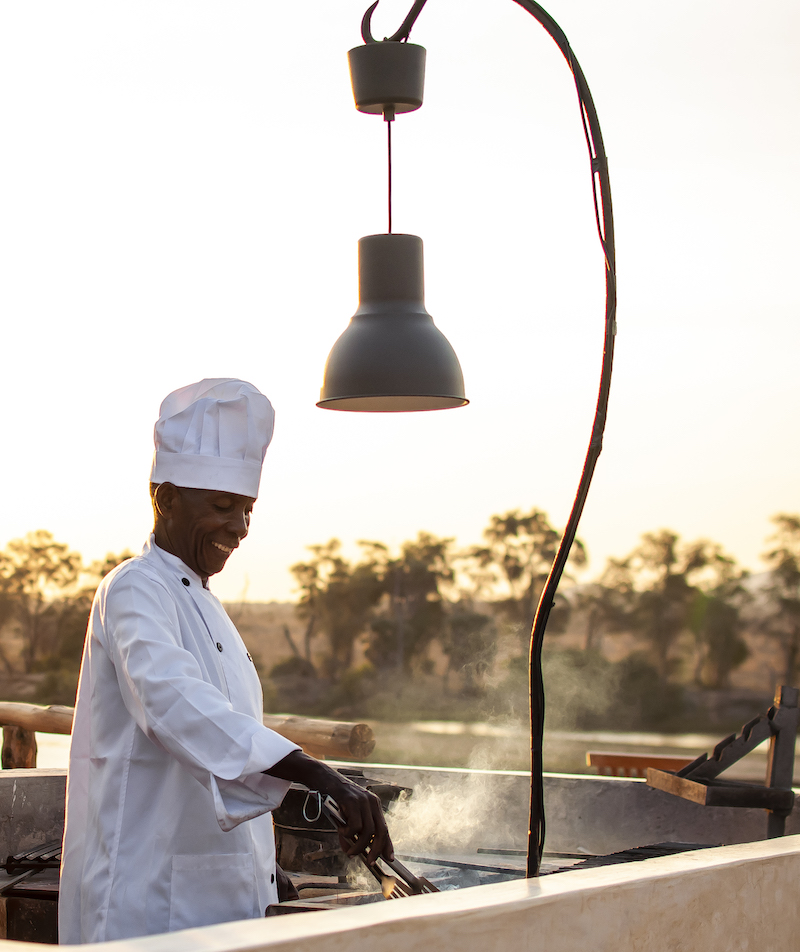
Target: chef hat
x=213 y=435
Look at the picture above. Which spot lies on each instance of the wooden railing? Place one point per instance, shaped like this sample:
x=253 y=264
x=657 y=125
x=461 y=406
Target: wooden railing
x=339 y=740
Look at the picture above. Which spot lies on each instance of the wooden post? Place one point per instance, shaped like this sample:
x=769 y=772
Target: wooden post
x=780 y=761
x=19 y=748
x=322 y=738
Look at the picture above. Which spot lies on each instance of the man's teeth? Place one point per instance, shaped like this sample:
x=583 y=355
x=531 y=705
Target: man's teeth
x=222 y=548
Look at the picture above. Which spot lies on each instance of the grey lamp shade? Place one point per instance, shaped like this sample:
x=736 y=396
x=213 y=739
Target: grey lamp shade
x=391 y=358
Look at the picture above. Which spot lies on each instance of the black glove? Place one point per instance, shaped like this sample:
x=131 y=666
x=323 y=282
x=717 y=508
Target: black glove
x=286 y=888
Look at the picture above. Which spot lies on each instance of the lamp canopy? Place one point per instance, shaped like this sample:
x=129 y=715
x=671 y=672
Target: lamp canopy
x=392 y=357
x=387 y=76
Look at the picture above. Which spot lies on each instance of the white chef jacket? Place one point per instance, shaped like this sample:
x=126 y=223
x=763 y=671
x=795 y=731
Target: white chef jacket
x=165 y=764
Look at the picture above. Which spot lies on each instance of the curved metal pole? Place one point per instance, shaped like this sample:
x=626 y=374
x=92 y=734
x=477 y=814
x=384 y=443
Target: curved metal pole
x=605 y=226
x=401 y=34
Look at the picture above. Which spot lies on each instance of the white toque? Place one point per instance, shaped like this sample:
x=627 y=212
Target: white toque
x=213 y=435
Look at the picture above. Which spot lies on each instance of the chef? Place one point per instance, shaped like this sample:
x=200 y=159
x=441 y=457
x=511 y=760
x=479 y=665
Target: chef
x=172 y=775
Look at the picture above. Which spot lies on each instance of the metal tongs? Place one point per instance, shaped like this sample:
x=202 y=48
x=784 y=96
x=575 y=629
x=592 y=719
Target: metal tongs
x=402 y=883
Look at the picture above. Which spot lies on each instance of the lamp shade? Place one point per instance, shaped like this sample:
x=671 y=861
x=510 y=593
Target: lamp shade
x=392 y=357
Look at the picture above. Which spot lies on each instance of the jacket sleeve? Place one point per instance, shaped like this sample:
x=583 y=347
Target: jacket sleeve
x=164 y=689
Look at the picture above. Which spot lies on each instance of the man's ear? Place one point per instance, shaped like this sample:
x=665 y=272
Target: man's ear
x=165 y=499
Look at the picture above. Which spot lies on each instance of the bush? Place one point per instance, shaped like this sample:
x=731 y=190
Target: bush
x=587 y=692
x=294 y=667
x=580 y=689
x=643 y=699
x=59 y=686
x=345 y=697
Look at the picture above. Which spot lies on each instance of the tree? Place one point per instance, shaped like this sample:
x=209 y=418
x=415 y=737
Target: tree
x=470 y=644
x=781 y=618
x=716 y=622
x=716 y=619
x=413 y=608
x=102 y=567
x=674 y=588
x=396 y=600
x=63 y=662
x=310 y=583
x=607 y=603
x=516 y=561
x=36 y=573
x=336 y=598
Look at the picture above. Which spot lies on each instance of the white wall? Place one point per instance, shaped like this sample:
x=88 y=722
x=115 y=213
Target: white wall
x=721 y=900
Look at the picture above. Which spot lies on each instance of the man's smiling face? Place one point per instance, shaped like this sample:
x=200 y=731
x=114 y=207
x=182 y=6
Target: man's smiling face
x=201 y=526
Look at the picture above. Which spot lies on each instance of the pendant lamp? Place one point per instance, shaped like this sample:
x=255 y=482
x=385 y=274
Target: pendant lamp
x=391 y=358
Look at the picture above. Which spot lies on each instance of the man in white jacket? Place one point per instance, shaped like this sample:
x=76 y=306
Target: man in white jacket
x=172 y=774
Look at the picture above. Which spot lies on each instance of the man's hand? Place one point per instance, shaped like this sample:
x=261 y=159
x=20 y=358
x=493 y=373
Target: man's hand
x=365 y=827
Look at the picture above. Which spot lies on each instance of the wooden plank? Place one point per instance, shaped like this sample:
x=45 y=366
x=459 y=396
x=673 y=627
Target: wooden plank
x=617 y=764
x=677 y=786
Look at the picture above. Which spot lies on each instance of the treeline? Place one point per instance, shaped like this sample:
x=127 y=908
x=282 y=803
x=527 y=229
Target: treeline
x=428 y=593
x=419 y=631
x=46 y=594
x=375 y=623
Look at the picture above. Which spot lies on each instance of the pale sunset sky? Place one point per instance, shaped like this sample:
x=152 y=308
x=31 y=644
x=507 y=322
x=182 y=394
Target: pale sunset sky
x=183 y=187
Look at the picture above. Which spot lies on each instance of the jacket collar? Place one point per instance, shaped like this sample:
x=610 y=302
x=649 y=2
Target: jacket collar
x=169 y=562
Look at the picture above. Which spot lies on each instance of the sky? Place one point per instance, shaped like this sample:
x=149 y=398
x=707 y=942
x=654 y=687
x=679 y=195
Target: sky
x=183 y=184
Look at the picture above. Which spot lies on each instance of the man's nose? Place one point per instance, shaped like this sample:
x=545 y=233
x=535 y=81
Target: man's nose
x=239 y=524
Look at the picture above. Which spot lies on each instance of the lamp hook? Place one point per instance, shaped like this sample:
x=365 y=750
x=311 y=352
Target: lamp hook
x=401 y=36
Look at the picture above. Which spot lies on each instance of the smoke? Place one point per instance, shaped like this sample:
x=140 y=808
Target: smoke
x=583 y=687
x=460 y=816
x=468 y=811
